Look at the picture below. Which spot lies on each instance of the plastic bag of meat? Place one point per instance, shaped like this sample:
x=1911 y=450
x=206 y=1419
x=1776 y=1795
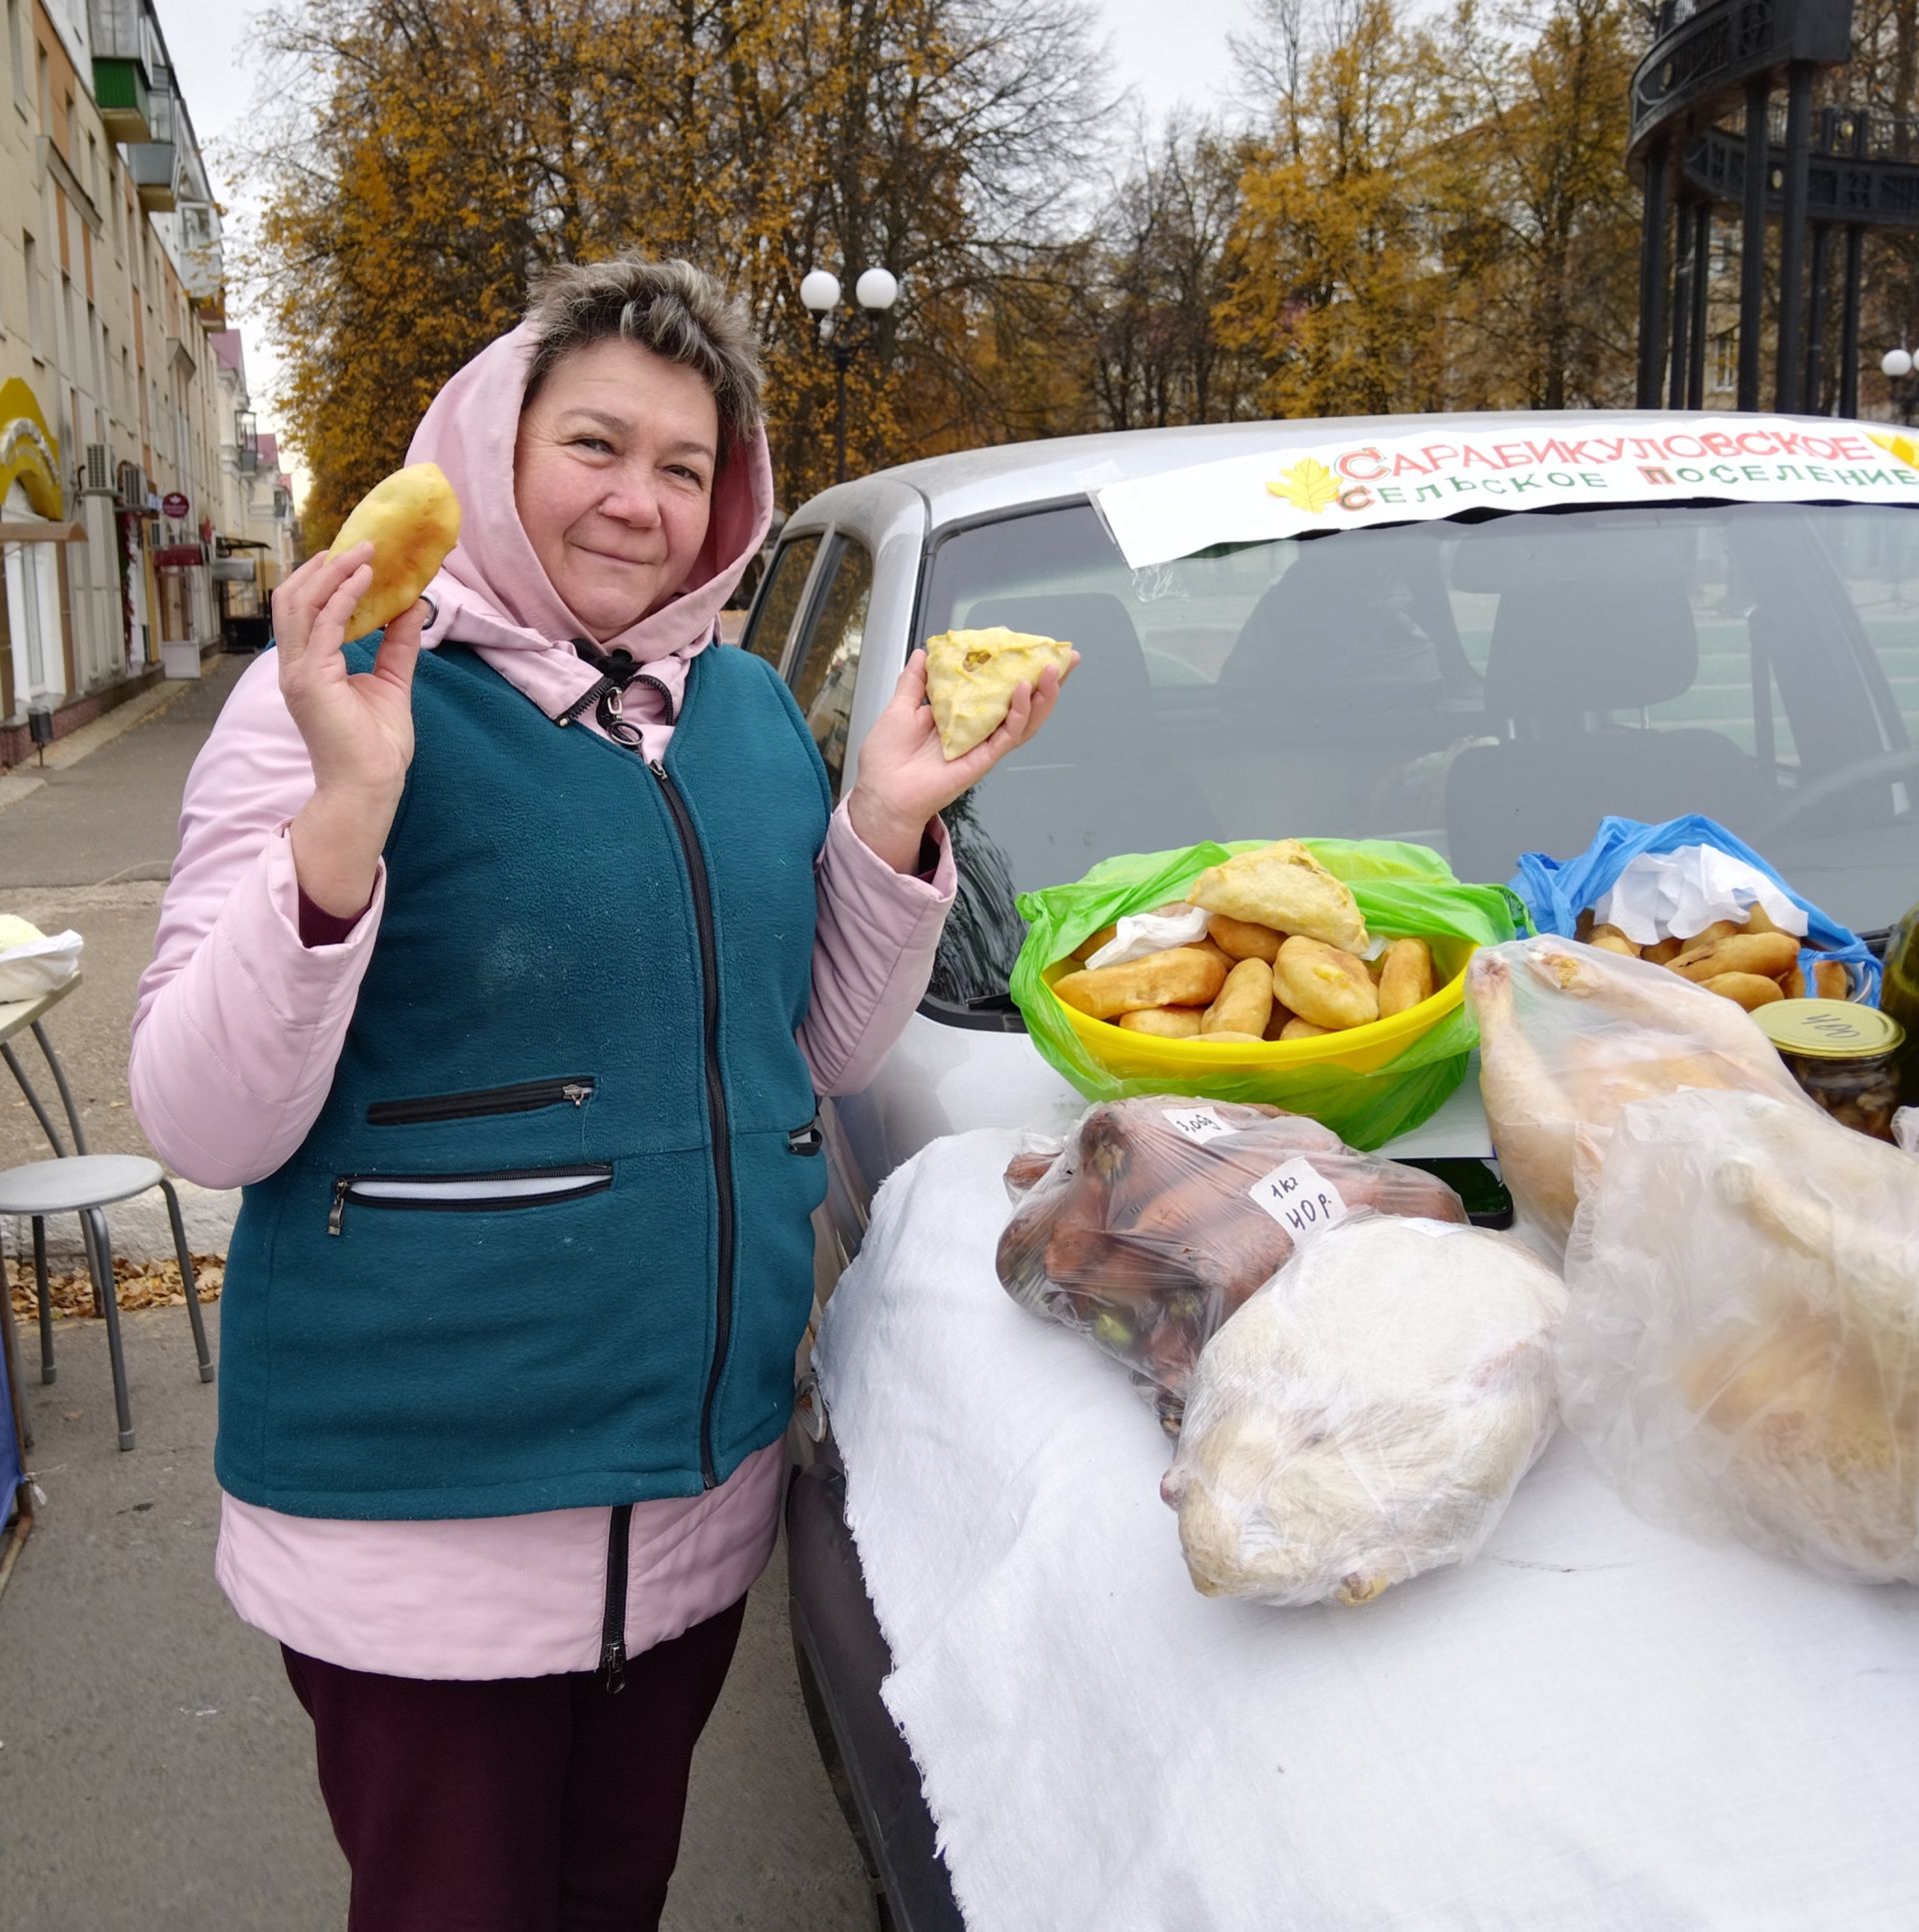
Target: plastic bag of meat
x=1741 y=1352
x=1570 y=1036
x=1367 y=1415
x=1158 y=1217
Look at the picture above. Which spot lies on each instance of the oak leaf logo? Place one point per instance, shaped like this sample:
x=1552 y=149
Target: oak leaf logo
x=1307 y=486
x=1901 y=449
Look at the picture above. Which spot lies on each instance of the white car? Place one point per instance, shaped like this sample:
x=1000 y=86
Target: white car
x=1734 y=633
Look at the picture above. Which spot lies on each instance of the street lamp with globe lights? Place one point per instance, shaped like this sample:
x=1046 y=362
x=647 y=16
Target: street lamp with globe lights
x=875 y=291
x=1897 y=366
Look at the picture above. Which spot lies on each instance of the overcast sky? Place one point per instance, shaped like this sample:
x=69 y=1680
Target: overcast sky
x=1169 y=50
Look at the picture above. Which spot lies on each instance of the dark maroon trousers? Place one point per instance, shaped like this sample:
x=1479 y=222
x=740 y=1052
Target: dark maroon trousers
x=534 y=1804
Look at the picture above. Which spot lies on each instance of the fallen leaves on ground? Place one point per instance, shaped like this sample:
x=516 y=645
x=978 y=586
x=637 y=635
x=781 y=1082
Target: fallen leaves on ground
x=141 y=1284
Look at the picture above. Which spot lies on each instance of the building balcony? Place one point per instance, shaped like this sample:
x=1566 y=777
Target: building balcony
x=152 y=164
x=155 y=164
x=210 y=311
x=203 y=269
x=126 y=106
x=117 y=29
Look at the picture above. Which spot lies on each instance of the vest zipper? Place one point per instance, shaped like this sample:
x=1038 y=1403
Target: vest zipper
x=525 y=1098
x=716 y=1105
x=612 y=1624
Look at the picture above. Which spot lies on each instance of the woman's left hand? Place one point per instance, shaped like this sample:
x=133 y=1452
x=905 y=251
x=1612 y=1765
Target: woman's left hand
x=905 y=777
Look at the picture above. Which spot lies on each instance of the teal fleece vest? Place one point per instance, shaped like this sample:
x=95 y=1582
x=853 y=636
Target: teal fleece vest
x=587 y=979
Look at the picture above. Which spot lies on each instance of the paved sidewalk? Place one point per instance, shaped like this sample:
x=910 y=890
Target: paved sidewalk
x=90 y=848
x=155 y=1770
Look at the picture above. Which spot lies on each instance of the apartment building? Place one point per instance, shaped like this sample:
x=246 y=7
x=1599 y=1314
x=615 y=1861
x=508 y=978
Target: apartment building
x=122 y=436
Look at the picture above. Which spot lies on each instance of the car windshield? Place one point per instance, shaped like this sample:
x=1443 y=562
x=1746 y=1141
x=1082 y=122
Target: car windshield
x=1486 y=687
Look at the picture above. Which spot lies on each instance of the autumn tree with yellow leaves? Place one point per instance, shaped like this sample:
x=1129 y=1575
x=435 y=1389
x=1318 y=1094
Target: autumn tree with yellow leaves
x=1539 y=221
x=433 y=154
x=1439 y=216
x=1336 y=291
x=1404 y=213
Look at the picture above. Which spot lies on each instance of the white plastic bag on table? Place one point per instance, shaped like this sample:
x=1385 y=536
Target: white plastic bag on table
x=33 y=963
x=1675 y=894
x=1158 y=1217
x=1741 y=1349
x=1367 y=1414
x=1569 y=1036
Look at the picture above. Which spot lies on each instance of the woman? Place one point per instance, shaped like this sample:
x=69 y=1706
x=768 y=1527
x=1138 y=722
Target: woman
x=504 y=977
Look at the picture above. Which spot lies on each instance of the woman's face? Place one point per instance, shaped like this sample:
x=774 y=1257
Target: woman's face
x=613 y=475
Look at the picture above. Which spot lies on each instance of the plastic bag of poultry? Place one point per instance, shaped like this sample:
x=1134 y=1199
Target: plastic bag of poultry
x=1570 y=1036
x=1158 y=1217
x=1369 y=1414
x=1741 y=1352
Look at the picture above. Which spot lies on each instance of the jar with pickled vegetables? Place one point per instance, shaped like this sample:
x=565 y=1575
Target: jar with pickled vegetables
x=1843 y=1055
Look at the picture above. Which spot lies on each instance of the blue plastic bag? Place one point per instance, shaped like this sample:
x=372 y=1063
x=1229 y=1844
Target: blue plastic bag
x=1556 y=893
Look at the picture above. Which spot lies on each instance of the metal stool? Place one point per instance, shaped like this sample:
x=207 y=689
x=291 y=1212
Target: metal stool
x=83 y=1184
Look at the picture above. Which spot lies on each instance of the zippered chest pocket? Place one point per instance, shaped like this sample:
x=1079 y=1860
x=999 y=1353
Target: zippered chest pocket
x=487 y=1102
x=466 y=1193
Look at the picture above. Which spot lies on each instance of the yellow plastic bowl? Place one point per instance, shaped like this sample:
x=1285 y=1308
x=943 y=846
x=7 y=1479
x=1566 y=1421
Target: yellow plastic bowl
x=1361 y=1049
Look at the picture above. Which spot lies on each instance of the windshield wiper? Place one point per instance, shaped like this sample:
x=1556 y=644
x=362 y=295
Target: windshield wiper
x=992 y=1003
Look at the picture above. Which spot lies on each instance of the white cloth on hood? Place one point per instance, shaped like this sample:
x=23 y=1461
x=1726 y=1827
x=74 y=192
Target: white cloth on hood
x=1595 y=1725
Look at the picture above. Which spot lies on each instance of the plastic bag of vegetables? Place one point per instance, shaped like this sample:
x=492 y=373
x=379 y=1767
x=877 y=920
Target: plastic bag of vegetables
x=1158 y=1219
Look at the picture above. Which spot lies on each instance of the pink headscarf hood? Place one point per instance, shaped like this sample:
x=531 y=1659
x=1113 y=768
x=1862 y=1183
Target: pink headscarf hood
x=493 y=594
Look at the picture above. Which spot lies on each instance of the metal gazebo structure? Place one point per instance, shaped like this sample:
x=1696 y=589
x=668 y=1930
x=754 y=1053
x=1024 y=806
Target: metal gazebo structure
x=1826 y=178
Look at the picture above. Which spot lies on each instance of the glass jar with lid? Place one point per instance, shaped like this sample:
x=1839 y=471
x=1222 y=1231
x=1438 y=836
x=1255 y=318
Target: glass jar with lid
x=1845 y=1056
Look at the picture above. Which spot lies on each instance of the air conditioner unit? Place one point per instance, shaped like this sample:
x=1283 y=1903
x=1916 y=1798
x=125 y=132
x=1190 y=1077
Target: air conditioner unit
x=133 y=487
x=100 y=481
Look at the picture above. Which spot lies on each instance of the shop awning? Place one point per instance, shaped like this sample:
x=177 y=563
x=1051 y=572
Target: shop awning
x=37 y=532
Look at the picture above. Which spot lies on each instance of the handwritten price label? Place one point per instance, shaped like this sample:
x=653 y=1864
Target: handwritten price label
x=1199 y=1123
x=1300 y=1198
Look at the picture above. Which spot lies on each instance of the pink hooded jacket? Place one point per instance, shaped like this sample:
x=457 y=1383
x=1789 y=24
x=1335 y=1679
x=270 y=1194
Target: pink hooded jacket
x=238 y=1028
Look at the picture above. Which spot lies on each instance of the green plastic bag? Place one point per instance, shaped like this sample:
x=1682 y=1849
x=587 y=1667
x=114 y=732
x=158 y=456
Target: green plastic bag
x=1402 y=890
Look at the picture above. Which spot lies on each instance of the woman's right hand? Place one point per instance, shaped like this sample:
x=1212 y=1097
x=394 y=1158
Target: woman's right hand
x=357 y=727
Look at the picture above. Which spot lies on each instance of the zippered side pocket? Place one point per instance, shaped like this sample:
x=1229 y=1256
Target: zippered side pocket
x=807 y=1139
x=525 y=1097
x=466 y=1193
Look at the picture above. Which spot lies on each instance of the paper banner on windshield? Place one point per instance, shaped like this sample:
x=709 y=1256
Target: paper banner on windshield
x=1353 y=482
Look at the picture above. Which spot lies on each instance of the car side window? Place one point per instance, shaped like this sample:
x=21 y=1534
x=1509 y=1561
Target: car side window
x=778 y=610
x=828 y=661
